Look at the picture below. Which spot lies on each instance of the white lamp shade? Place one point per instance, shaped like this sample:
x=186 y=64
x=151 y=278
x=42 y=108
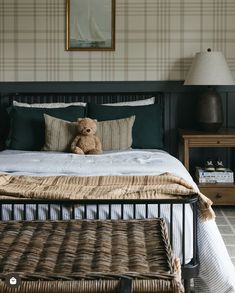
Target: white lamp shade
x=209 y=68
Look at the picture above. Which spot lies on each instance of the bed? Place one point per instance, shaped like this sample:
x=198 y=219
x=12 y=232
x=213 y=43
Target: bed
x=190 y=244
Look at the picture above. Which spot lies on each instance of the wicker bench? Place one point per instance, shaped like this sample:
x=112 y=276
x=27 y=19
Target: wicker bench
x=88 y=256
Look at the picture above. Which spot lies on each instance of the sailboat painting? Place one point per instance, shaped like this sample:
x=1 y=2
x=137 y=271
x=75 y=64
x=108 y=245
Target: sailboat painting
x=90 y=25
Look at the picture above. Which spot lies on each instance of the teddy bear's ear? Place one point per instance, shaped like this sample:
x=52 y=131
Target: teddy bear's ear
x=79 y=119
x=95 y=120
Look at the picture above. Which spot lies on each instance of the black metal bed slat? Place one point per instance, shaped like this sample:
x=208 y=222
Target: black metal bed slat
x=134 y=211
x=24 y=211
x=0 y=212
x=159 y=211
x=37 y=211
x=110 y=212
x=49 y=211
x=12 y=211
x=122 y=211
x=85 y=211
x=97 y=212
x=73 y=212
x=61 y=212
x=146 y=211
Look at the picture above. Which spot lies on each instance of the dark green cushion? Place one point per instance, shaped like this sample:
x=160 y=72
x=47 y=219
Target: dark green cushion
x=28 y=127
x=147 y=130
x=4 y=126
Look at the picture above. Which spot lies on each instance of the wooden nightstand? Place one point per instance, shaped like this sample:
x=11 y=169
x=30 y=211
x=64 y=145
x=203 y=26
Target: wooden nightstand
x=220 y=194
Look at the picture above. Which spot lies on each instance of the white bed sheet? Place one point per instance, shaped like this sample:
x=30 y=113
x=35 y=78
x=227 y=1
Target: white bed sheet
x=217 y=273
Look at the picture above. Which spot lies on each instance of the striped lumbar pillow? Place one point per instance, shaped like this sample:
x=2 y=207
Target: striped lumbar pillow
x=59 y=134
x=114 y=134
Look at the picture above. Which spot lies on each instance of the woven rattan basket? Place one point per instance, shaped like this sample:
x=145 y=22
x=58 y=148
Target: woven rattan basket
x=88 y=256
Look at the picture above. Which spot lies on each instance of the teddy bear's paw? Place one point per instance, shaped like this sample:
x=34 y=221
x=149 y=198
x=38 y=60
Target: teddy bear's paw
x=78 y=151
x=94 y=152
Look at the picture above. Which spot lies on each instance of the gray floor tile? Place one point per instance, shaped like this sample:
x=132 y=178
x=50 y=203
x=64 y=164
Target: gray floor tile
x=229 y=240
x=226 y=230
x=231 y=220
x=217 y=211
x=220 y=220
x=233 y=260
x=229 y=212
x=227 y=215
x=231 y=250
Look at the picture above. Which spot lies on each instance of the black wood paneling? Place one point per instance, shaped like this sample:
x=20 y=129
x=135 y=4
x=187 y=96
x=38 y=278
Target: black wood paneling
x=180 y=102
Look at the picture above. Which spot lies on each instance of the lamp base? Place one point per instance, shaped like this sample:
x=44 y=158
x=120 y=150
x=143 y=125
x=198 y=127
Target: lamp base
x=209 y=127
x=210 y=111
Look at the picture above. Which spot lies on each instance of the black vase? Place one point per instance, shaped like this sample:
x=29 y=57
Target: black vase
x=210 y=111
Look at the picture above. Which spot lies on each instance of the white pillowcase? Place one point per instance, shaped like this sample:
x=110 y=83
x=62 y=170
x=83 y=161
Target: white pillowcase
x=144 y=102
x=48 y=105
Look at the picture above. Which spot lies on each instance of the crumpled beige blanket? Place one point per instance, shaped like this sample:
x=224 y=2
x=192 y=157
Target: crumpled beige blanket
x=164 y=186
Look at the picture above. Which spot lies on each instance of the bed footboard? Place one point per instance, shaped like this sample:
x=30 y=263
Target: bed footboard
x=189 y=269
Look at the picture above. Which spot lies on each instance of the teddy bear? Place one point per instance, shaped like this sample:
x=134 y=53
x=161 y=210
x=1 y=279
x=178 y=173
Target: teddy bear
x=86 y=141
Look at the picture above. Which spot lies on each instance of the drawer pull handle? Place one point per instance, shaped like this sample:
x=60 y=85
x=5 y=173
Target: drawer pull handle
x=218 y=195
x=218 y=142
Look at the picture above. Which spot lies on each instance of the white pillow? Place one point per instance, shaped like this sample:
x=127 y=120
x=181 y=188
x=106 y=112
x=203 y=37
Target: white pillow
x=48 y=105
x=144 y=102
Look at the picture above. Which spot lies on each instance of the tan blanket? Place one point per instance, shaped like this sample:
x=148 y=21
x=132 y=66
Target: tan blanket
x=102 y=187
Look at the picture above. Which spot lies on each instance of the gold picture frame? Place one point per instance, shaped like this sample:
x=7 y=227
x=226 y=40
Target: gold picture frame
x=90 y=25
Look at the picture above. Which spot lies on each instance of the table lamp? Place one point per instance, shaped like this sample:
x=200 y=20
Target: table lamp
x=209 y=69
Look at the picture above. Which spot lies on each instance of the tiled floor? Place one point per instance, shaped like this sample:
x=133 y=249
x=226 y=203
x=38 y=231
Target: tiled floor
x=225 y=219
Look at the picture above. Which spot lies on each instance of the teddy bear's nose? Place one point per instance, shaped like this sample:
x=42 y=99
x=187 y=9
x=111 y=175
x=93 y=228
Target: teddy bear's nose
x=88 y=130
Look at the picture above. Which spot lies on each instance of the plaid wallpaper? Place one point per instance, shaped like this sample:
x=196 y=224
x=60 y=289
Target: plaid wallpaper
x=155 y=40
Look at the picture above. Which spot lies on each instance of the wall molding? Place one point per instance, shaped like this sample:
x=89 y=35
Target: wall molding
x=102 y=87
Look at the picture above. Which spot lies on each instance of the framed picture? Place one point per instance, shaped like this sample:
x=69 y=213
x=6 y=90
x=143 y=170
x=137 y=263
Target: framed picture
x=90 y=25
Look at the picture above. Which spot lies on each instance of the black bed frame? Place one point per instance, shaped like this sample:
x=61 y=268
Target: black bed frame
x=189 y=270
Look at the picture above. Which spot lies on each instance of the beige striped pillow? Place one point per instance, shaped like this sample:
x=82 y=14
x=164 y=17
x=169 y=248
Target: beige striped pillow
x=114 y=134
x=59 y=134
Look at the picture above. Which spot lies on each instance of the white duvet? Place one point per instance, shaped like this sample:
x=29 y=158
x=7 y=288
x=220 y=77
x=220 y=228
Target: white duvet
x=217 y=273
x=131 y=162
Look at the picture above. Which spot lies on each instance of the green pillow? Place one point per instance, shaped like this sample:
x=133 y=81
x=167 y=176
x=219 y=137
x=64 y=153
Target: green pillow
x=147 y=131
x=28 y=126
x=4 y=128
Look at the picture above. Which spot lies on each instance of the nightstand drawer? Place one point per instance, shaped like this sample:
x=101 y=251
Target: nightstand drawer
x=212 y=142
x=220 y=195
